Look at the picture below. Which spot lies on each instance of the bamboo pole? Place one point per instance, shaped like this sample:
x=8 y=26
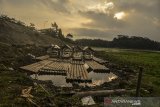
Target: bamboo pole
x=139 y=82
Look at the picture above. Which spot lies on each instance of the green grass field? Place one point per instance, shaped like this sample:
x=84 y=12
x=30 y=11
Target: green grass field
x=150 y=60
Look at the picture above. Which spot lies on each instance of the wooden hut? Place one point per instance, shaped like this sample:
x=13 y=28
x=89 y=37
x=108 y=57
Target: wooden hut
x=66 y=51
x=54 y=51
x=88 y=53
x=77 y=53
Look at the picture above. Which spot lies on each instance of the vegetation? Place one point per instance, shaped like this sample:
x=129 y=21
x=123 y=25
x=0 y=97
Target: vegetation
x=12 y=32
x=56 y=32
x=149 y=60
x=13 y=20
x=124 y=42
x=13 y=55
x=11 y=85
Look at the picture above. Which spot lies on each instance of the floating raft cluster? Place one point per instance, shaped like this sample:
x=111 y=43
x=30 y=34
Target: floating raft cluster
x=74 y=70
x=35 y=67
x=96 y=67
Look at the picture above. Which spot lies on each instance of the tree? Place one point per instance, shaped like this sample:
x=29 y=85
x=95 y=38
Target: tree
x=32 y=26
x=69 y=36
x=60 y=34
x=55 y=26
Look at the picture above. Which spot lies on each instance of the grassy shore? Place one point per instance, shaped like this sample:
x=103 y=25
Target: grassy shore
x=150 y=60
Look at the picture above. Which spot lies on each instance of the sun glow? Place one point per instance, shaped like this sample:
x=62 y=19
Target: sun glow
x=120 y=15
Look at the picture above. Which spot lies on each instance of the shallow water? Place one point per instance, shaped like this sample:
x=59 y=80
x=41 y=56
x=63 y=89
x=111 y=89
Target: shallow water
x=57 y=80
x=97 y=79
x=100 y=78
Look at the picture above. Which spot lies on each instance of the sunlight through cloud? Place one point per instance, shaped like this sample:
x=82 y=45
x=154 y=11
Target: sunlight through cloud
x=120 y=15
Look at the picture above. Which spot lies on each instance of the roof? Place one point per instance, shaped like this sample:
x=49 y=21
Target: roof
x=77 y=48
x=55 y=46
x=88 y=49
x=66 y=46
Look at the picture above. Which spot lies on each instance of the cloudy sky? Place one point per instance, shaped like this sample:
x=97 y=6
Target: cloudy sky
x=90 y=18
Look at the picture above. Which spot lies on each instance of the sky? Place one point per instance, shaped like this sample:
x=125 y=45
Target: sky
x=95 y=19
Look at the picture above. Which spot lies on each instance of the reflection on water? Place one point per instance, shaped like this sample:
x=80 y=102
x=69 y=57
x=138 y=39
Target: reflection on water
x=97 y=79
x=57 y=80
x=100 y=78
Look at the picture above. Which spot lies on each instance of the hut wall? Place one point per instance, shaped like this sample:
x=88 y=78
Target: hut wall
x=88 y=55
x=66 y=53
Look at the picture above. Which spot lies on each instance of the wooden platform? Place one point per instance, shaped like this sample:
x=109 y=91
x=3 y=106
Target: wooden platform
x=74 y=70
x=77 y=62
x=77 y=73
x=35 y=67
x=55 y=68
x=96 y=67
x=101 y=61
x=43 y=57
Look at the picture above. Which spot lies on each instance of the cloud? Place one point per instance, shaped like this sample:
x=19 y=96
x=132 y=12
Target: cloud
x=89 y=18
x=120 y=15
x=101 y=20
x=156 y=21
x=101 y=7
x=146 y=7
x=57 y=5
x=91 y=33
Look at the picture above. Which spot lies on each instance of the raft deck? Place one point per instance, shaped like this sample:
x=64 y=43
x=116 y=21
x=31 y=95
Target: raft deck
x=77 y=72
x=101 y=61
x=74 y=70
x=35 y=67
x=96 y=67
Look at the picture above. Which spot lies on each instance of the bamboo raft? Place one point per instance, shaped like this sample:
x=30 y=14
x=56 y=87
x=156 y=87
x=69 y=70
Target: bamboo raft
x=43 y=57
x=74 y=70
x=96 y=67
x=77 y=73
x=77 y=62
x=35 y=67
x=101 y=61
x=55 y=68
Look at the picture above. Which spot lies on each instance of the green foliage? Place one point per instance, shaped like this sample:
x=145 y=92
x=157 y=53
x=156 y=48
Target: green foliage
x=64 y=101
x=133 y=58
x=69 y=36
x=11 y=84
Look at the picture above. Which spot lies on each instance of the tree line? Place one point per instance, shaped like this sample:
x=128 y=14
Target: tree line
x=122 y=41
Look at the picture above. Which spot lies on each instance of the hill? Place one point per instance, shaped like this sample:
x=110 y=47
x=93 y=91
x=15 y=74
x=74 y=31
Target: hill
x=16 y=32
